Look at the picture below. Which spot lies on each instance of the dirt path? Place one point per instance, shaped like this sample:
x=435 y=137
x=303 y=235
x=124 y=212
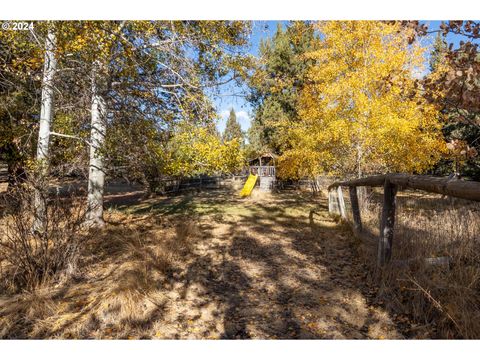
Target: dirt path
x=210 y=266
x=273 y=267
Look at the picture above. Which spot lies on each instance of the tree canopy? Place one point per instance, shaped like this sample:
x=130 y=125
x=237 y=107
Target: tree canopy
x=361 y=110
x=276 y=83
x=233 y=130
x=339 y=97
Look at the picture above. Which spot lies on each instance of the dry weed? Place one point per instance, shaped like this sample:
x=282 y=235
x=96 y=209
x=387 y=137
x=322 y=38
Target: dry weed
x=119 y=291
x=429 y=226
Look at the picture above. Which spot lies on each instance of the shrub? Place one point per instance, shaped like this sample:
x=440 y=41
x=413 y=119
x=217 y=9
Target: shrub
x=29 y=255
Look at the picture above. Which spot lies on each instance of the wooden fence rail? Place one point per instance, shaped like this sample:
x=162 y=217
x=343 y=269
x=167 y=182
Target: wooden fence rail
x=469 y=190
x=173 y=185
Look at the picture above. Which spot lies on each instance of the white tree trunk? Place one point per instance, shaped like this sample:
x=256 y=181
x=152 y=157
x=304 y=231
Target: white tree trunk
x=96 y=175
x=46 y=114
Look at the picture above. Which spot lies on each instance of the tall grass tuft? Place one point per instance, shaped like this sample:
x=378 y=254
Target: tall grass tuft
x=427 y=226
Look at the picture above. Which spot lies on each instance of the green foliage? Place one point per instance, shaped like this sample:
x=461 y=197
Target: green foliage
x=233 y=129
x=438 y=53
x=20 y=74
x=276 y=84
x=461 y=123
x=154 y=76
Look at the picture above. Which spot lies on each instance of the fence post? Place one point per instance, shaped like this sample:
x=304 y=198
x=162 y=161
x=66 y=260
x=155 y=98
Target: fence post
x=341 y=203
x=332 y=203
x=387 y=223
x=357 y=220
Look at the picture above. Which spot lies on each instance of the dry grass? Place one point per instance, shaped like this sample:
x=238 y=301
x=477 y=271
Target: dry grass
x=118 y=290
x=430 y=226
x=209 y=266
x=212 y=265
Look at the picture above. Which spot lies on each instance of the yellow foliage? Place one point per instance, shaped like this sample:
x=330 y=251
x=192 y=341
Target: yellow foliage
x=362 y=110
x=196 y=150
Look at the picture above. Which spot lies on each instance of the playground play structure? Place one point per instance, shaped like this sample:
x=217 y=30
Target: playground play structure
x=261 y=170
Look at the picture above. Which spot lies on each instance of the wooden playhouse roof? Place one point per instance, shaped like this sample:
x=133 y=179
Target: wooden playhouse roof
x=265 y=155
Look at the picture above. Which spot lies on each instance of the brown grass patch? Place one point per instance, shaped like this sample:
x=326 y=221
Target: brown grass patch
x=118 y=290
x=431 y=226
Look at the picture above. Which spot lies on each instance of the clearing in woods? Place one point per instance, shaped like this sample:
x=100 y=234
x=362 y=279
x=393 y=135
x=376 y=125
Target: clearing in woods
x=212 y=265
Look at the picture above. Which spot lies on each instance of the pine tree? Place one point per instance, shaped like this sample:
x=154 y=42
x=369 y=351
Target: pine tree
x=276 y=85
x=438 y=53
x=461 y=135
x=233 y=129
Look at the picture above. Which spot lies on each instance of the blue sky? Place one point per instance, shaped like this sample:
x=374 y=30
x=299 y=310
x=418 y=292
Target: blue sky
x=231 y=95
x=261 y=30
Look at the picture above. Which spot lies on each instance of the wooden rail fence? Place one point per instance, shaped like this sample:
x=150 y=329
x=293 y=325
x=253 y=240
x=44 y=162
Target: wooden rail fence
x=173 y=185
x=391 y=183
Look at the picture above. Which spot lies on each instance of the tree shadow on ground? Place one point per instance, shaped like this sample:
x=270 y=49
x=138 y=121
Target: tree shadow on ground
x=286 y=273
x=272 y=267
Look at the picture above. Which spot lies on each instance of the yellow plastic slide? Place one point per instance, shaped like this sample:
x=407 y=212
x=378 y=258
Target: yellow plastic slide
x=249 y=185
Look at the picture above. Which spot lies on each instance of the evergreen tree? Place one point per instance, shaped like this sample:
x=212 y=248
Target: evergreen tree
x=276 y=84
x=461 y=135
x=437 y=55
x=233 y=129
